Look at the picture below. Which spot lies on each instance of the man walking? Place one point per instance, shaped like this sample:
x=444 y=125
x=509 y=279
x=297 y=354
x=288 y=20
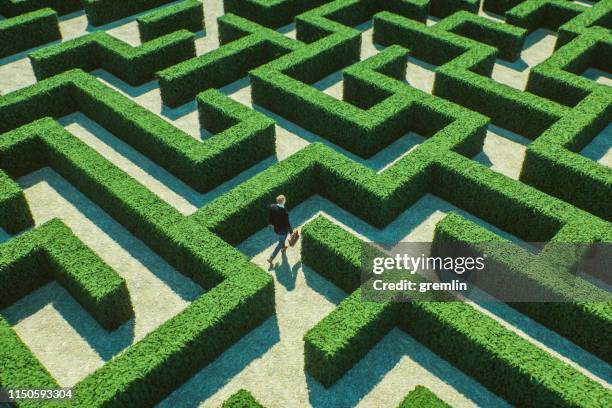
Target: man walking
x=279 y=218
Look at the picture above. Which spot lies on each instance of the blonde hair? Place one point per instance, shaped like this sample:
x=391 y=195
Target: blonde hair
x=281 y=199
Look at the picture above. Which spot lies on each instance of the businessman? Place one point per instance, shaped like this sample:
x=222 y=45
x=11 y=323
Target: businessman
x=279 y=219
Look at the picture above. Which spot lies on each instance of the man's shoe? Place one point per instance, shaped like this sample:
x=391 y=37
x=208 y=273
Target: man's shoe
x=284 y=248
x=270 y=261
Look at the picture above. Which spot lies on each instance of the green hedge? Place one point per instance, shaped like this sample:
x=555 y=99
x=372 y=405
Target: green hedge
x=559 y=77
x=513 y=272
x=422 y=397
x=106 y=185
x=597 y=16
x=283 y=87
x=202 y=165
x=508 y=204
x=242 y=211
x=548 y=14
x=51 y=251
x=134 y=65
x=51 y=97
x=505 y=363
x=499 y=6
x=463 y=77
x=13 y=8
x=241 y=295
x=149 y=370
x=20 y=368
x=104 y=11
x=182 y=82
x=444 y=8
x=242 y=399
x=28 y=30
x=15 y=214
x=345 y=336
x=506 y=38
x=186 y=15
x=587 y=184
x=272 y=13
x=376 y=198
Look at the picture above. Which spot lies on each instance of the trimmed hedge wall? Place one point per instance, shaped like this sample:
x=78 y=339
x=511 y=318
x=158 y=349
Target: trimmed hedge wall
x=507 y=364
x=14 y=8
x=271 y=13
x=104 y=11
x=282 y=86
x=134 y=65
x=597 y=16
x=444 y=8
x=506 y=38
x=182 y=82
x=345 y=336
x=550 y=14
x=241 y=295
x=512 y=272
x=584 y=182
x=422 y=397
x=499 y=6
x=186 y=15
x=577 y=179
x=465 y=80
x=28 y=30
x=559 y=77
x=149 y=370
x=202 y=165
x=20 y=368
x=242 y=399
x=15 y=214
x=51 y=251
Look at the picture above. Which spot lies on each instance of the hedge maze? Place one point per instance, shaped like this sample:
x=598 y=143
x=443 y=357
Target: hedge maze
x=320 y=101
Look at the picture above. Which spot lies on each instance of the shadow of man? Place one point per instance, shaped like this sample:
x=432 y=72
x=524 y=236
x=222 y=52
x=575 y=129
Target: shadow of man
x=286 y=274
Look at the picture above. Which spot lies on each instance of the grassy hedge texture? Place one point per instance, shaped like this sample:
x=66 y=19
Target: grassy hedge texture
x=15 y=214
x=134 y=65
x=19 y=366
x=421 y=396
x=548 y=14
x=240 y=296
x=588 y=184
x=515 y=272
x=228 y=63
x=51 y=251
x=506 y=38
x=502 y=361
x=596 y=16
x=28 y=30
x=14 y=8
x=344 y=337
x=202 y=165
x=100 y=12
x=186 y=15
x=271 y=13
x=241 y=399
x=463 y=75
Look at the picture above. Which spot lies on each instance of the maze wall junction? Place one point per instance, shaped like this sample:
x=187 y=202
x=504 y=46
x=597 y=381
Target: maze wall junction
x=142 y=141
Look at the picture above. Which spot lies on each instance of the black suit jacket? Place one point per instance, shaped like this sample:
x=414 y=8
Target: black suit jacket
x=279 y=218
